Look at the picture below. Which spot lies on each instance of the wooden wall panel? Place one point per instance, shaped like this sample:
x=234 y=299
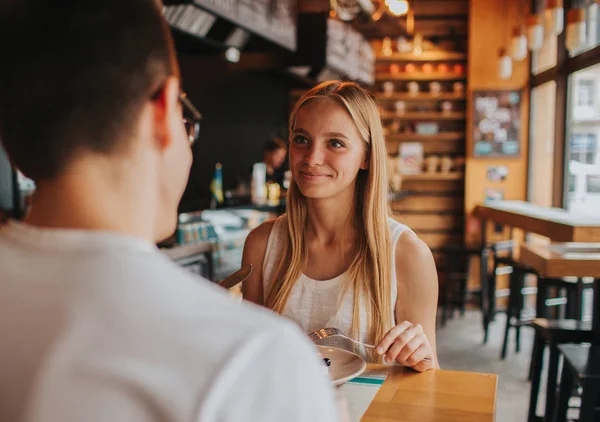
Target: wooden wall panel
x=489 y=29
x=490 y=25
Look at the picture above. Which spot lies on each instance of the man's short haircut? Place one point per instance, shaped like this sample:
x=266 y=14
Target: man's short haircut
x=75 y=75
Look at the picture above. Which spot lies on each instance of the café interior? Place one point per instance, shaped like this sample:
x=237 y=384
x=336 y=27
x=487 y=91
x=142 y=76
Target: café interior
x=491 y=116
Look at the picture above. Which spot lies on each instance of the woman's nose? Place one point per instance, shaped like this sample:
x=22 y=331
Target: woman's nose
x=314 y=156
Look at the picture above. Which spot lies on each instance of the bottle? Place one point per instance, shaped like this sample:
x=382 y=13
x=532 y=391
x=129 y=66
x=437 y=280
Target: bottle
x=259 y=178
x=216 y=187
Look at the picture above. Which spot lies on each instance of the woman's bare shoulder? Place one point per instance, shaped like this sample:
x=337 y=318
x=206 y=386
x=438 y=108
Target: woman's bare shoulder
x=414 y=261
x=259 y=236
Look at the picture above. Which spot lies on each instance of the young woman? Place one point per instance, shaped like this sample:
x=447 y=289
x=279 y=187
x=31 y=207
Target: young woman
x=337 y=258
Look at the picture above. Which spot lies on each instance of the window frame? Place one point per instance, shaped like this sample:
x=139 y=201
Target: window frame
x=560 y=74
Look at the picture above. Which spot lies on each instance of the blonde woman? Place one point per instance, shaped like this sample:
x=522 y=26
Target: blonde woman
x=337 y=258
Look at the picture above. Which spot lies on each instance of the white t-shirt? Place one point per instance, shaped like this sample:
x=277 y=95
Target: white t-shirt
x=99 y=327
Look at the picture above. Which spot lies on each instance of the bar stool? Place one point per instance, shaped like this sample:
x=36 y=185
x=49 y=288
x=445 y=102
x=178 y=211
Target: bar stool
x=502 y=262
x=552 y=333
x=455 y=292
x=555 y=332
x=581 y=365
x=515 y=317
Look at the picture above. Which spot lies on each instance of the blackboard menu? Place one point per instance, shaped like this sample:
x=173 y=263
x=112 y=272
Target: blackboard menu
x=274 y=20
x=496 y=123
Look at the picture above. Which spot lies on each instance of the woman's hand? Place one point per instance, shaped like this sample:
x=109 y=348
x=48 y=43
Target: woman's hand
x=408 y=345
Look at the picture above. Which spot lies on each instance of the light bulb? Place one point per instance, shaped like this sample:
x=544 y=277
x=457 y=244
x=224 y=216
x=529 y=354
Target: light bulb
x=535 y=32
x=398 y=7
x=232 y=54
x=504 y=64
x=518 y=44
x=576 y=30
x=554 y=16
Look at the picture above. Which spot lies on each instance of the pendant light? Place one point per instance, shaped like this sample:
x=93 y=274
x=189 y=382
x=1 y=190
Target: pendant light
x=504 y=64
x=518 y=44
x=554 y=16
x=535 y=32
x=576 y=29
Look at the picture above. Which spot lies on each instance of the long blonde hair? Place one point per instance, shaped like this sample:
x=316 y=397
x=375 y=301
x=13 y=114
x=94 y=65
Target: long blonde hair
x=370 y=271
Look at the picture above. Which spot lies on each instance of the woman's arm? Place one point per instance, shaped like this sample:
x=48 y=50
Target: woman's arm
x=413 y=338
x=254 y=253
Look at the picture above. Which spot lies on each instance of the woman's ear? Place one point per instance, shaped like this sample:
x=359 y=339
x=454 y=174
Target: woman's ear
x=366 y=161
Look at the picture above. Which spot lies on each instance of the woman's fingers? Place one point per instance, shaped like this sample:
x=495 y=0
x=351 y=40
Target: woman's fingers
x=390 y=337
x=408 y=350
x=417 y=362
x=411 y=339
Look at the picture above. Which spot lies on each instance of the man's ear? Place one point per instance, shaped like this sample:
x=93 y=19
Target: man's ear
x=167 y=113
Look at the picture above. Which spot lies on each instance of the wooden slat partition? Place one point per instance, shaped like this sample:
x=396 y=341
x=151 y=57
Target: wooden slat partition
x=420 y=222
x=428 y=203
x=438 y=240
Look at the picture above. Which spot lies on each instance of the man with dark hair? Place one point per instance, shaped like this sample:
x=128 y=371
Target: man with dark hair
x=96 y=324
x=274 y=155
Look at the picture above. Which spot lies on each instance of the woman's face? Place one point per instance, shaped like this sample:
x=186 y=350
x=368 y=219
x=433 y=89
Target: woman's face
x=326 y=151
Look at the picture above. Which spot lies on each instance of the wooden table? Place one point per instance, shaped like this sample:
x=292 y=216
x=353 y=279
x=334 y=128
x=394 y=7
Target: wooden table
x=567 y=259
x=558 y=224
x=440 y=396
x=555 y=223
x=562 y=259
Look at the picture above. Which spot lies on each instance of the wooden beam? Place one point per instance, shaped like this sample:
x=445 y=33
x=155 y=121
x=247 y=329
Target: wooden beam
x=440 y=7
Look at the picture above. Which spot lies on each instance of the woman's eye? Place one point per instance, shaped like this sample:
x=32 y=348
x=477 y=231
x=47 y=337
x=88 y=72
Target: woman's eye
x=300 y=140
x=336 y=144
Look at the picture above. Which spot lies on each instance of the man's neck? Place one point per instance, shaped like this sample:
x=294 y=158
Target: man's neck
x=89 y=200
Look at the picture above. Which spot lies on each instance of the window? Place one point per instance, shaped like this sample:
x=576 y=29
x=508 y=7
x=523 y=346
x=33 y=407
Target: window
x=541 y=147
x=546 y=57
x=582 y=188
x=592 y=23
x=583 y=148
x=585 y=93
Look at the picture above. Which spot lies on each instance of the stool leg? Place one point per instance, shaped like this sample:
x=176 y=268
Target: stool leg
x=589 y=397
x=572 y=303
x=566 y=386
x=509 y=314
x=484 y=280
x=536 y=351
x=551 y=386
x=540 y=299
x=463 y=294
x=520 y=299
x=535 y=374
x=446 y=296
x=579 y=300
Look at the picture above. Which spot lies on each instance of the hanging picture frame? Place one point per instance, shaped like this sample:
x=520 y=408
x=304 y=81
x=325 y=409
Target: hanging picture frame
x=496 y=128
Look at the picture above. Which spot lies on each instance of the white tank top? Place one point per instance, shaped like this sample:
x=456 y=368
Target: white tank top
x=314 y=304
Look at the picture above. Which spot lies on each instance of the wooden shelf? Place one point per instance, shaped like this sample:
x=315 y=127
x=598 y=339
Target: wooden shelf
x=426 y=56
x=413 y=137
x=423 y=115
x=425 y=96
x=456 y=175
x=419 y=76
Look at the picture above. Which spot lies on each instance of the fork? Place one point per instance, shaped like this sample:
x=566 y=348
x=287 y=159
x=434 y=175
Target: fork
x=324 y=333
